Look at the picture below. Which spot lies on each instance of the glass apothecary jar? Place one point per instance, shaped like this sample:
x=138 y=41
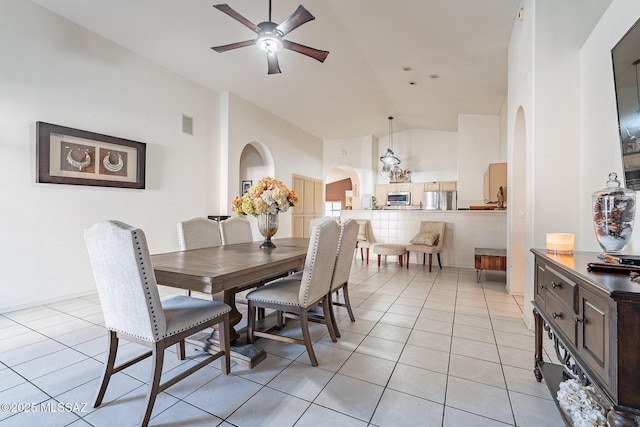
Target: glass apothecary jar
x=614 y=209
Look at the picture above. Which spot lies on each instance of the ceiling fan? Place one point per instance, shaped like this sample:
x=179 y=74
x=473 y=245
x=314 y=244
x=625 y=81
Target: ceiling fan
x=271 y=36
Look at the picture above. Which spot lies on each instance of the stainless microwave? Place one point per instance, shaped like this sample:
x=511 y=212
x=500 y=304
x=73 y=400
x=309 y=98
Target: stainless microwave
x=398 y=198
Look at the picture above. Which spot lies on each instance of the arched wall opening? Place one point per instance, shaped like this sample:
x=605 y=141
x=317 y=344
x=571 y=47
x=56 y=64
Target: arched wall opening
x=256 y=162
x=343 y=176
x=517 y=220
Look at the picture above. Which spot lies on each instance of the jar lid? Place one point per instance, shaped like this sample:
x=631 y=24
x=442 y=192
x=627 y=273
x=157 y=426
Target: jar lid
x=614 y=187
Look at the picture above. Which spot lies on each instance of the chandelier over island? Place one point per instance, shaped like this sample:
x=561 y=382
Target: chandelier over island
x=391 y=163
x=265 y=200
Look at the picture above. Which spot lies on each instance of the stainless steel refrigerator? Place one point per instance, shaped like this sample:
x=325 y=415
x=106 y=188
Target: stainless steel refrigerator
x=440 y=200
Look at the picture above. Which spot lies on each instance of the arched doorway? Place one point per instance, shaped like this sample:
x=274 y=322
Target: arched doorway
x=256 y=162
x=518 y=211
x=341 y=190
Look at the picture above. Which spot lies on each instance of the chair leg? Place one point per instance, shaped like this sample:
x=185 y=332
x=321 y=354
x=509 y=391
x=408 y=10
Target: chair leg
x=347 y=303
x=304 y=325
x=400 y=258
x=361 y=254
x=180 y=350
x=108 y=368
x=408 y=258
x=334 y=322
x=225 y=344
x=157 y=359
x=378 y=260
x=367 y=256
x=430 y=257
x=439 y=263
x=424 y=257
x=329 y=320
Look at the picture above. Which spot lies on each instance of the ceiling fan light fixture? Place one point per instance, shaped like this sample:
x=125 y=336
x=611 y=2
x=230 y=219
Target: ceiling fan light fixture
x=270 y=44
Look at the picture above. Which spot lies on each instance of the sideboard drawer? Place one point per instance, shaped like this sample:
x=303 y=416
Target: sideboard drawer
x=561 y=317
x=563 y=288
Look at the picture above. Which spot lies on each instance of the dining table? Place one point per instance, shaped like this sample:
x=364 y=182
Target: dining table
x=223 y=271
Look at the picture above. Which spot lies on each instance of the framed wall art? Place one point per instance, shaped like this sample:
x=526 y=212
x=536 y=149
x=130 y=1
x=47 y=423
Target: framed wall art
x=71 y=156
x=246 y=185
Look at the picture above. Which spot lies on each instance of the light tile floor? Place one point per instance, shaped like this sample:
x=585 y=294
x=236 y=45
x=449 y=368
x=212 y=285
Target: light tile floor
x=427 y=349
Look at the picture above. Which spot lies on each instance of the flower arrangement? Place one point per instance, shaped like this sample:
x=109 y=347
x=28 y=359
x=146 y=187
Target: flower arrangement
x=267 y=196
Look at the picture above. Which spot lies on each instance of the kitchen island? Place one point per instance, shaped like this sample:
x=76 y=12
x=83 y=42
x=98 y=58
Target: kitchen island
x=465 y=230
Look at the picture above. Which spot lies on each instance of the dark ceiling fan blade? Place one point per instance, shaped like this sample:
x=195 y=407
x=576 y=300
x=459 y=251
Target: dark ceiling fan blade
x=319 y=55
x=236 y=45
x=297 y=18
x=272 y=62
x=235 y=15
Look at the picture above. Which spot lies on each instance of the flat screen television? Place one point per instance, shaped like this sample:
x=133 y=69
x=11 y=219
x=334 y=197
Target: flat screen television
x=626 y=73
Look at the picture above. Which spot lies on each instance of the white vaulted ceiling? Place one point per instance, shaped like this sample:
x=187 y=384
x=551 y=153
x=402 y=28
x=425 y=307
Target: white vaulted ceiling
x=361 y=82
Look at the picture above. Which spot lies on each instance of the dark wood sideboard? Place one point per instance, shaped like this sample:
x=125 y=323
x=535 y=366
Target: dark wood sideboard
x=594 y=321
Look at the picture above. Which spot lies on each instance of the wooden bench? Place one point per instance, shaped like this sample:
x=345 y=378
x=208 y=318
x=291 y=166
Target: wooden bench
x=489 y=259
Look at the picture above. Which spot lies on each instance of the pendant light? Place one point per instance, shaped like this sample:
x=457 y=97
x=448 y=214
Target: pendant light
x=389 y=160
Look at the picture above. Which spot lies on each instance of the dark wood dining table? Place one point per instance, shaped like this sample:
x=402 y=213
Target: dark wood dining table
x=222 y=271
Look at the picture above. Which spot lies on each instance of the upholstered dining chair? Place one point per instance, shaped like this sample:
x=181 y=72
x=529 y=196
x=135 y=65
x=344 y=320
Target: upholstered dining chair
x=429 y=240
x=342 y=270
x=198 y=233
x=235 y=230
x=298 y=295
x=133 y=310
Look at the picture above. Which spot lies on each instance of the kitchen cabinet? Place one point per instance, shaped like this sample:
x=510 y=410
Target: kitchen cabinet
x=380 y=193
x=494 y=178
x=417 y=188
x=449 y=186
x=594 y=321
x=432 y=186
x=399 y=186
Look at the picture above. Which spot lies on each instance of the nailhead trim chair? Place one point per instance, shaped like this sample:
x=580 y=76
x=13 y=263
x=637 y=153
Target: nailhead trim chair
x=198 y=233
x=342 y=270
x=133 y=310
x=299 y=295
x=235 y=230
x=344 y=260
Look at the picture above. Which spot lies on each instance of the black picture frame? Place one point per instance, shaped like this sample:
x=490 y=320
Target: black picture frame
x=246 y=185
x=77 y=157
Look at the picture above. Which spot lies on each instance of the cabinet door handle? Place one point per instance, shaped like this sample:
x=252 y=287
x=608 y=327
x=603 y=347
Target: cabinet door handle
x=555 y=285
x=556 y=315
x=542 y=286
x=577 y=320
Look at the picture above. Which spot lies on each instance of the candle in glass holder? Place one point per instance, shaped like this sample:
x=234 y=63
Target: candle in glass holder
x=560 y=243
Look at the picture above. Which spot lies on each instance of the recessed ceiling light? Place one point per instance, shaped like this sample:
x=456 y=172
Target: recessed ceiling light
x=434 y=76
x=407 y=68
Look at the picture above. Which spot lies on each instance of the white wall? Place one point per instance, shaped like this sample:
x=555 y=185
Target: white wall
x=598 y=120
x=294 y=151
x=478 y=146
x=430 y=155
x=566 y=91
x=54 y=71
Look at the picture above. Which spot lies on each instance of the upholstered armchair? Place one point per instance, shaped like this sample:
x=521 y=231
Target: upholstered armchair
x=134 y=312
x=428 y=241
